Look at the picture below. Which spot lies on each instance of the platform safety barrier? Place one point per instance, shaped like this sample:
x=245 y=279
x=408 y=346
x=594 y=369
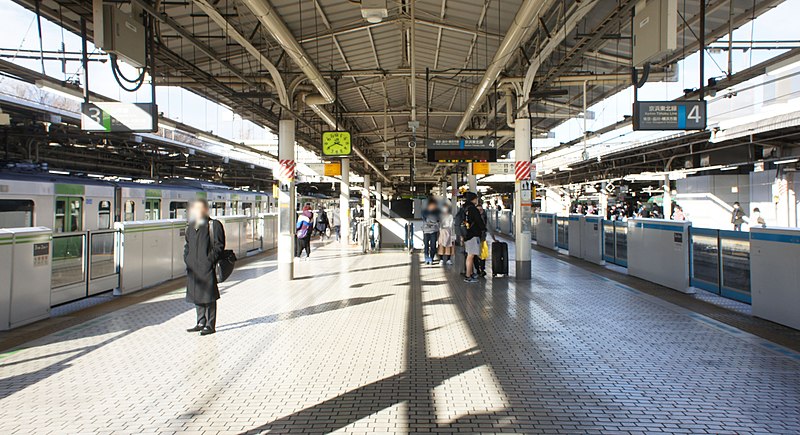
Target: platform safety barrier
x=720 y=262
x=24 y=275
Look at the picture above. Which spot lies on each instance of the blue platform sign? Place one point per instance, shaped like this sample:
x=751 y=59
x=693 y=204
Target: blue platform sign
x=669 y=115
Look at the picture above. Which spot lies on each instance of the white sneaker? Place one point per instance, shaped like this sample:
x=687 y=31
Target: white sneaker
x=449 y=262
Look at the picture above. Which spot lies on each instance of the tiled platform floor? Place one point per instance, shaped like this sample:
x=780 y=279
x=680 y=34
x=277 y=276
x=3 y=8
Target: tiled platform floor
x=383 y=344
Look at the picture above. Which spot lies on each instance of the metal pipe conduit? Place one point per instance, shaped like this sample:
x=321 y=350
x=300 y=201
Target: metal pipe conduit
x=273 y=23
x=519 y=31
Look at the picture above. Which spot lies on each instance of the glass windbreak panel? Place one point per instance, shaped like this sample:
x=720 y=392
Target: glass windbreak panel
x=608 y=238
x=102 y=255
x=534 y=223
x=705 y=258
x=562 y=235
x=104 y=215
x=736 y=264
x=15 y=213
x=177 y=209
x=621 y=230
x=68 y=264
x=129 y=212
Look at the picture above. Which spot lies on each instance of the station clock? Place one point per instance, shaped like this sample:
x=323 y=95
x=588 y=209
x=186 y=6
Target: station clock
x=336 y=144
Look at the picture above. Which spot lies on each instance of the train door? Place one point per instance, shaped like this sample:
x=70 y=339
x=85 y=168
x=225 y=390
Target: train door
x=69 y=214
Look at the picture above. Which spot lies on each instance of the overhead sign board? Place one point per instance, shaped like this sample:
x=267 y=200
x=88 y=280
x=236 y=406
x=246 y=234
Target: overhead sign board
x=336 y=144
x=327 y=169
x=461 y=150
x=115 y=117
x=493 y=168
x=669 y=115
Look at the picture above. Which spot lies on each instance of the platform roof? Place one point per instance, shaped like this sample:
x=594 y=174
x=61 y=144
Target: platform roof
x=369 y=65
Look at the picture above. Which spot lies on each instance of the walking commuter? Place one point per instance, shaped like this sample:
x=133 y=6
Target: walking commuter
x=205 y=243
x=303 y=232
x=357 y=215
x=737 y=217
x=336 y=223
x=447 y=238
x=677 y=214
x=430 y=230
x=472 y=241
x=757 y=218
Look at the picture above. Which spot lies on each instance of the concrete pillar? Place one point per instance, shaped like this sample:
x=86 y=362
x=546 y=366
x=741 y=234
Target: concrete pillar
x=473 y=179
x=366 y=199
x=454 y=196
x=286 y=201
x=378 y=200
x=344 y=203
x=666 y=204
x=522 y=211
x=443 y=191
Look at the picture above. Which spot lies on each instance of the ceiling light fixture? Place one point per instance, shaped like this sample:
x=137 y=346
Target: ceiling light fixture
x=374 y=11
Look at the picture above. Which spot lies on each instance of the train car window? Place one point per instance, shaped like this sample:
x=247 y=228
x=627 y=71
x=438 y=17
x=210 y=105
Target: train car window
x=129 y=211
x=218 y=209
x=177 y=209
x=104 y=215
x=16 y=213
x=69 y=214
x=234 y=207
x=247 y=208
x=152 y=209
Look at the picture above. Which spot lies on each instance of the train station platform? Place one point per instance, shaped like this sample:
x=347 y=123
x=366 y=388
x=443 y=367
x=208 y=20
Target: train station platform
x=382 y=343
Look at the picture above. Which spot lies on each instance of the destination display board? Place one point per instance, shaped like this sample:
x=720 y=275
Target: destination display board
x=115 y=117
x=669 y=115
x=461 y=150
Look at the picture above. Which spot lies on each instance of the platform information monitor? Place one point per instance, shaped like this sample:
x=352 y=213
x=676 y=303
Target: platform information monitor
x=461 y=150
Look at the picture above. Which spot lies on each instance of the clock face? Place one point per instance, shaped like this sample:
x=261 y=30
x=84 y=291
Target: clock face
x=336 y=143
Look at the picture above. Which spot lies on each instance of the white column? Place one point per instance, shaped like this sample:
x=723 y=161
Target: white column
x=366 y=198
x=473 y=180
x=443 y=190
x=666 y=204
x=344 y=203
x=603 y=206
x=454 y=197
x=522 y=212
x=378 y=200
x=286 y=203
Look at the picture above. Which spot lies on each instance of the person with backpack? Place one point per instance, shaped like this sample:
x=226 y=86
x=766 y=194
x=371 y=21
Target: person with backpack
x=205 y=246
x=303 y=232
x=475 y=227
x=322 y=222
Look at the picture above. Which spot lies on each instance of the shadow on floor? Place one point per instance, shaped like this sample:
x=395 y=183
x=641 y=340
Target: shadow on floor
x=506 y=357
x=308 y=311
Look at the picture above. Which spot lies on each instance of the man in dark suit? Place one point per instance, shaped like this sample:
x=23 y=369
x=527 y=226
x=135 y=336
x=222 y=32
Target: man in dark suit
x=205 y=243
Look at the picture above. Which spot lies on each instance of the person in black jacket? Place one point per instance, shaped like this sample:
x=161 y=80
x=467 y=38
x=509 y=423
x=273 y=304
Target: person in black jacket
x=475 y=229
x=205 y=243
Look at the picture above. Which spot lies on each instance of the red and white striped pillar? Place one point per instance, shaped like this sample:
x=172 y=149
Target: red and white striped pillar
x=522 y=198
x=286 y=199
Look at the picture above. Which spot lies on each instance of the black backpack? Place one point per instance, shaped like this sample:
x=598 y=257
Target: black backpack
x=460 y=222
x=224 y=267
